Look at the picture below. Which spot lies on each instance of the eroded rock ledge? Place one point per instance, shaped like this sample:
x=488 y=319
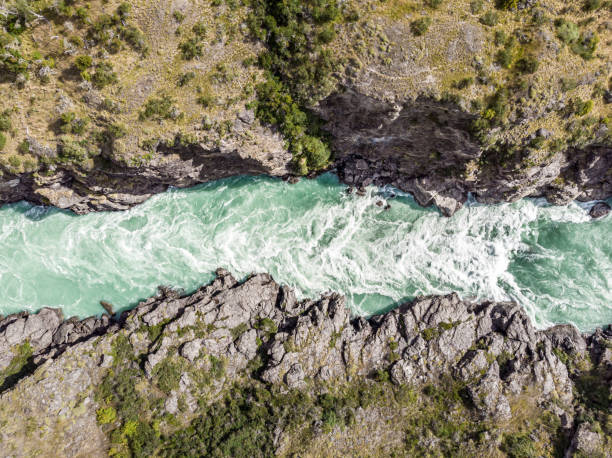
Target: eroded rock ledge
x=185 y=353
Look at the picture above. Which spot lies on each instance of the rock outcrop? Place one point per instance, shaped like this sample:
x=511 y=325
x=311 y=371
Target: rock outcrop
x=491 y=349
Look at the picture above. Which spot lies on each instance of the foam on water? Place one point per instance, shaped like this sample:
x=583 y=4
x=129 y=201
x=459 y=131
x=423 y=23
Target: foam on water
x=553 y=260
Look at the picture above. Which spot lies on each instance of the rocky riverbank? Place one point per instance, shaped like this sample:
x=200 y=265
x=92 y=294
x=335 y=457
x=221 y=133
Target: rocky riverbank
x=437 y=374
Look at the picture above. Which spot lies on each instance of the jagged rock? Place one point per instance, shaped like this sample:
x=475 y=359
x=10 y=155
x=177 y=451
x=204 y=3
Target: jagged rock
x=492 y=348
x=585 y=442
x=599 y=210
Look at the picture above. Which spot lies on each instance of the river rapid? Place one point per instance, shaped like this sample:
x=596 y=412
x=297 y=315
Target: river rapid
x=555 y=261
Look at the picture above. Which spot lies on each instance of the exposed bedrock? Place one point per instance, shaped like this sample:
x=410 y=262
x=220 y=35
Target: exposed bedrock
x=491 y=347
x=425 y=147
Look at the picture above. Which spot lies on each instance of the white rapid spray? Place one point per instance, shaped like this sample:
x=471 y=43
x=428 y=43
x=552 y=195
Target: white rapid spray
x=315 y=237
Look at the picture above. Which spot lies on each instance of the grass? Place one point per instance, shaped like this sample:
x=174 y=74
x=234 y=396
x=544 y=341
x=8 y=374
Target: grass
x=20 y=366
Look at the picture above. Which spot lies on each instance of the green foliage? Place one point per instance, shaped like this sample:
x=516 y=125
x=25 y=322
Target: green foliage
x=299 y=69
x=433 y=3
x=199 y=29
x=420 y=26
x=591 y=5
x=582 y=108
x=518 y=446
x=83 y=62
x=106 y=415
x=168 y=373
x=72 y=152
x=276 y=106
x=135 y=38
x=70 y=124
x=157 y=108
x=567 y=31
x=5 y=121
x=104 y=75
x=190 y=49
x=20 y=366
x=490 y=19
x=528 y=64
x=477 y=6
x=239 y=330
x=430 y=333
x=507 y=4
x=185 y=78
x=178 y=16
x=587 y=44
x=2 y=140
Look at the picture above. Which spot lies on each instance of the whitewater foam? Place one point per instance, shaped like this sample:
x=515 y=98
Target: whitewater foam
x=315 y=237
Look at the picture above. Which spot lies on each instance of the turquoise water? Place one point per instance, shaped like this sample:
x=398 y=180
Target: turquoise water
x=313 y=236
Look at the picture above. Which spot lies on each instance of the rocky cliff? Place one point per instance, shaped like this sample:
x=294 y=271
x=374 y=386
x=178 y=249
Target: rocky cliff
x=106 y=103
x=244 y=369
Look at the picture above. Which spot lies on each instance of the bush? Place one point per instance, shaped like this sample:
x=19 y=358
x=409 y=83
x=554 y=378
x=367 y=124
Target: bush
x=507 y=4
x=567 y=31
x=591 y=5
x=83 y=62
x=190 y=49
x=5 y=121
x=104 y=75
x=477 y=6
x=70 y=124
x=106 y=415
x=504 y=57
x=528 y=64
x=433 y=3
x=157 y=108
x=490 y=18
x=2 y=140
x=583 y=108
x=199 y=29
x=420 y=26
x=518 y=446
x=135 y=38
x=587 y=44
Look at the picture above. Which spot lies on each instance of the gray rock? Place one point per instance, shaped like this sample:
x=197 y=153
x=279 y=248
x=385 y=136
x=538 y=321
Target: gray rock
x=599 y=210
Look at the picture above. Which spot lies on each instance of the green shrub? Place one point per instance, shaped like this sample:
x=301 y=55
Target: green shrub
x=505 y=57
x=178 y=16
x=592 y=5
x=71 y=151
x=567 y=31
x=433 y=3
x=83 y=62
x=477 y=6
x=5 y=121
x=106 y=415
x=420 y=26
x=2 y=140
x=168 y=373
x=70 y=124
x=528 y=64
x=587 y=44
x=185 y=78
x=135 y=38
x=518 y=446
x=104 y=75
x=199 y=29
x=583 y=108
x=190 y=49
x=157 y=108
x=490 y=18
x=507 y=4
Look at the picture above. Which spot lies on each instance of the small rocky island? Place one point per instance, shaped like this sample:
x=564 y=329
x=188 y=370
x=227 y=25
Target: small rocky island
x=244 y=369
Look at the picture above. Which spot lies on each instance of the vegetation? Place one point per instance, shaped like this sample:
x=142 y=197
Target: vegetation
x=20 y=365
x=298 y=70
